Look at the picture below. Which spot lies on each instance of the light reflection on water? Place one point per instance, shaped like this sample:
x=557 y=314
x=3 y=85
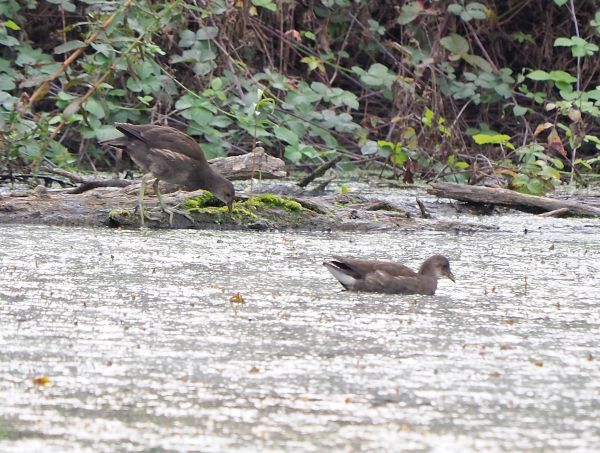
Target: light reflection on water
x=145 y=351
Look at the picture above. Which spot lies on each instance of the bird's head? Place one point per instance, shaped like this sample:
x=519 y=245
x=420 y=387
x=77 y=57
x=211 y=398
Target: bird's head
x=437 y=265
x=226 y=193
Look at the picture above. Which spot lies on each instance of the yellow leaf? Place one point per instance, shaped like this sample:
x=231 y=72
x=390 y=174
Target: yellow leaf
x=41 y=380
x=237 y=299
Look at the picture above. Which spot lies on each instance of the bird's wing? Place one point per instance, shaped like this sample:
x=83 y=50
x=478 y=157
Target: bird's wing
x=363 y=267
x=163 y=138
x=383 y=282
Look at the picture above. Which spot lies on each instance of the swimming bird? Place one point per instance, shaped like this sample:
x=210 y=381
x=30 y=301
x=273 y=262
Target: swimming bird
x=172 y=156
x=389 y=277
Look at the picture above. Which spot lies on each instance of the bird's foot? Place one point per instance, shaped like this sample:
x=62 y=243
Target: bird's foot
x=145 y=215
x=172 y=211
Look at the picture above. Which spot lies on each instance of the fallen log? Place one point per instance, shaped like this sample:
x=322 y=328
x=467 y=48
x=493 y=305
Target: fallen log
x=256 y=164
x=509 y=198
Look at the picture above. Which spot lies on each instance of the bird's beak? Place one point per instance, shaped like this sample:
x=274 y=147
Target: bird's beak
x=451 y=277
x=230 y=207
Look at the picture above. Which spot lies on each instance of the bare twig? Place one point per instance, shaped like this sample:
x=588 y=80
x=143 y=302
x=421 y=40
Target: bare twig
x=424 y=212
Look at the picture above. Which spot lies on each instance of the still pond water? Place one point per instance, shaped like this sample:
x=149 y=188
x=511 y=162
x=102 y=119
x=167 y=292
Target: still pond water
x=144 y=351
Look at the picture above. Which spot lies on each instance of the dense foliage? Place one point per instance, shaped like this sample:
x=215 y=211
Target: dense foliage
x=505 y=91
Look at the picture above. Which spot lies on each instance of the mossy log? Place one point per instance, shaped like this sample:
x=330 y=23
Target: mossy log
x=116 y=207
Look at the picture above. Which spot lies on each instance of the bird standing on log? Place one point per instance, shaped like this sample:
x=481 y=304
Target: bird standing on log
x=172 y=156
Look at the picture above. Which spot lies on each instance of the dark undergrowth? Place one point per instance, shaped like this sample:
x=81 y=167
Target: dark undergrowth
x=497 y=92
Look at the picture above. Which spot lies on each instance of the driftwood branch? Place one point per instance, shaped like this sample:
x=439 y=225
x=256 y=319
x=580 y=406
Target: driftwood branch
x=555 y=213
x=424 y=213
x=28 y=176
x=319 y=171
x=509 y=198
x=86 y=183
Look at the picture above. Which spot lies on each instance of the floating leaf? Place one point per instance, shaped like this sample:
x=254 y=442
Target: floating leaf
x=41 y=380
x=237 y=299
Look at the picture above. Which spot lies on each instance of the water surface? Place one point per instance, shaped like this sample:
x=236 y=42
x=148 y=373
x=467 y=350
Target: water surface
x=145 y=352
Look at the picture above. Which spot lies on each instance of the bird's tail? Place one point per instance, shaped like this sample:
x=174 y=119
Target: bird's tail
x=342 y=275
x=119 y=142
x=131 y=130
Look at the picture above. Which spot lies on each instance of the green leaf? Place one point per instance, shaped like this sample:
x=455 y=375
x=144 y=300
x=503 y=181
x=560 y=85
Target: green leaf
x=65 y=4
x=378 y=75
x=427 y=118
x=286 y=135
x=341 y=123
x=583 y=163
x=521 y=37
x=596 y=21
x=292 y=153
x=134 y=85
x=497 y=139
x=477 y=61
x=409 y=13
x=216 y=83
x=92 y=106
x=145 y=99
x=370 y=147
x=504 y=90
x=314 y=63
x=562 y=76
x=557 y=163
x=69 y=46
x=476 y=10
x=538 y=75
x=107 y=133
x=187 y=38
x=7 y=40
x=455 y=8
x=12 y=25
x=6 y=83
x=221 y=121
x=267 y=4
x=563 y=42
x=535 y=187
x=399 y=156
x=200 y=115
x=455 y=43
x=519 y=110
x=207 y=33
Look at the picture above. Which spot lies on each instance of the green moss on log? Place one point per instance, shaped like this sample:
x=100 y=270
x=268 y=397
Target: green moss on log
x=275 y=201
x=204 y=200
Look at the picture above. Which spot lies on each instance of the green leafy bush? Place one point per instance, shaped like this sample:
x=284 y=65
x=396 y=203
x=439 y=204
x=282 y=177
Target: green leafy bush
x=403 y=89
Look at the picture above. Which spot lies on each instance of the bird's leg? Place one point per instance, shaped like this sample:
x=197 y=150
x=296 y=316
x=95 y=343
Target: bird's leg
x=143 y=214
x=169 y=211
x=141 y=200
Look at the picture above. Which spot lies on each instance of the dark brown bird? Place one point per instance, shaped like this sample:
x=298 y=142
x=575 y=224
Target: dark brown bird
x=172 y=156
x=389 y=277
